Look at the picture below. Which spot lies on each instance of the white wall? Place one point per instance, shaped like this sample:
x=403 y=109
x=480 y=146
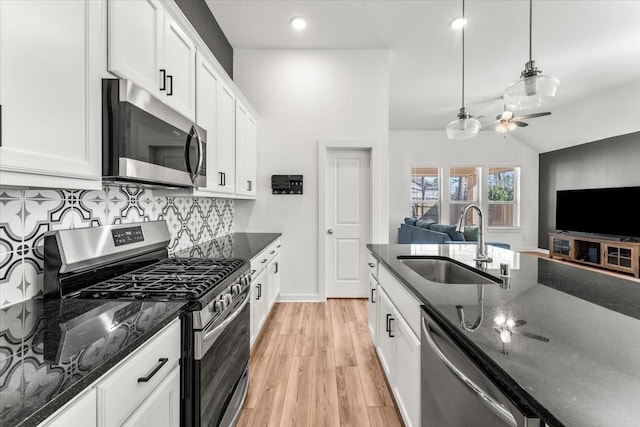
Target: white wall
x=303 y=96
x=489 y=148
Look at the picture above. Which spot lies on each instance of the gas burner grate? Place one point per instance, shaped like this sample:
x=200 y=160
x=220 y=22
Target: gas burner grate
x=173 y=278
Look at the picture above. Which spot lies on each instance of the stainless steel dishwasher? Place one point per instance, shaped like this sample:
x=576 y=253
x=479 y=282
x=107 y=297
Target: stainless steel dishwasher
x=455 y=392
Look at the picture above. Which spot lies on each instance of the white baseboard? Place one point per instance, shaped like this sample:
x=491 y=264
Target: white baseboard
x=299 y=298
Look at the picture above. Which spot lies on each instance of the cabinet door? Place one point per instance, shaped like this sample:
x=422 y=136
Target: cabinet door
x=273 y=288
x=50 y=91
x=385 y=334
x=226 y=141
x=406 y=368
x=134 y=29
x=373 y=308
x=80 y=413
x=258 y=303
x=179 y=59
x=251 y=164
x=242 y=181
x=207 y=81
x=162 y=407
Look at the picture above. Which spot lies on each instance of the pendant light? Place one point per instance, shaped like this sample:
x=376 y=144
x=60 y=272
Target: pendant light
x=465 y=126
x=533 y=89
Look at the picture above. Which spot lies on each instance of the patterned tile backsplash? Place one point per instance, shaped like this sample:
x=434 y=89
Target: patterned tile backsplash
x=25 y=215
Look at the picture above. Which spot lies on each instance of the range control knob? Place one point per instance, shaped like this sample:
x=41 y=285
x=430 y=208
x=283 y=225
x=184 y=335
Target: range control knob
x=227 y=299
x=235 y=289
x=219 y=305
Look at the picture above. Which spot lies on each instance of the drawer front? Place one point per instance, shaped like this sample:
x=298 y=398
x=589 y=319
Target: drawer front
x=372 y=263
x=260 y=261
x=408 y=306
x=122 y=391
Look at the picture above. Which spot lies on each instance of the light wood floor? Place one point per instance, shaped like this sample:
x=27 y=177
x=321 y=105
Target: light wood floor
x=315 y=365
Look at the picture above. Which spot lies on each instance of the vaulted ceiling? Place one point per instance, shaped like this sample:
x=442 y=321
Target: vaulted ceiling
x=592 y=47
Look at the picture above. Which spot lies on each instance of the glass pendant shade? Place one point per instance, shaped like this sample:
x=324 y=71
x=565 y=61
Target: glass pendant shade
x=464 y=127
x=531 y=92
x=534 y=89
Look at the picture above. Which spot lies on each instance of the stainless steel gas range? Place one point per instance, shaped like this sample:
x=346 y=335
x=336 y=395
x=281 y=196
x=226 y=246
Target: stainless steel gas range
x=131 y=262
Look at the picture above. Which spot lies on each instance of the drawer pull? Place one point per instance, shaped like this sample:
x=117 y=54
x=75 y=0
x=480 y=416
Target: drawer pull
x=371 y=265
x=263 y=261
x=159 y=366
x=272 y=252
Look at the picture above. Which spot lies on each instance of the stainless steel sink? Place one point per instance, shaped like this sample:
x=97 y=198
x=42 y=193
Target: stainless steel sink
x=445 y=270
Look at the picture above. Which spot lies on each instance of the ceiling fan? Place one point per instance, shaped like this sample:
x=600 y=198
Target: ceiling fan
x=506 y=121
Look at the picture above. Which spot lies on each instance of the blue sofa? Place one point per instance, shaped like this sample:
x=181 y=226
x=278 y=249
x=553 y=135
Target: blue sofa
x=414 y=231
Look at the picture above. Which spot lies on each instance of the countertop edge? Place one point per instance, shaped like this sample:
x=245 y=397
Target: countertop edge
x=525 y=403
x=66 y=396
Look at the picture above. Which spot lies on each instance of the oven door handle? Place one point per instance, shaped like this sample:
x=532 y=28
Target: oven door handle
x=206 y=335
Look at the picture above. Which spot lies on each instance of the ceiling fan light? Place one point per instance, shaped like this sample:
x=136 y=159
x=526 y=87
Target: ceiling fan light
x=463 y=128
x=531 y=92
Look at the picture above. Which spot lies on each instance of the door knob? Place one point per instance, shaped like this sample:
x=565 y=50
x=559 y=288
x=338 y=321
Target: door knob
x=329 y=231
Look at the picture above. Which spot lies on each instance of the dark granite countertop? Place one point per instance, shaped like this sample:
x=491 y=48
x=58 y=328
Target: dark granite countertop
x=235 y=245
x=52 y=350
x=586 y=374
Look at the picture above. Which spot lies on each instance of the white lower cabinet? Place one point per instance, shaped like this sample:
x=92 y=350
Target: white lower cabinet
x=142 y=390
x=385 y=347
x=265 y=285
x=129 y=385
x=273 y=279
x=406 y=369
x=162 y=407
x=373 y=308
x=259 y=303
x=81 y=412
x=398 y=349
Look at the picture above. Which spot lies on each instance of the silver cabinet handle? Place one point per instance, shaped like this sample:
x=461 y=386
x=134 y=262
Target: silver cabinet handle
x=495 y=406
x=329 y=231
x=371 y=265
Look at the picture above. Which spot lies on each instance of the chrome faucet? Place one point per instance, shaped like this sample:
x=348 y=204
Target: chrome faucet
x=481 y=258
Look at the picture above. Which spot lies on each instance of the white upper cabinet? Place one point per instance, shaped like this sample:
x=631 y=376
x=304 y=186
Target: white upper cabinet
x=134 y=37
x=215 y=112
x=179 y=61
x=50 y=91
x=225 y=148
x=148 y=47
x=246 y=147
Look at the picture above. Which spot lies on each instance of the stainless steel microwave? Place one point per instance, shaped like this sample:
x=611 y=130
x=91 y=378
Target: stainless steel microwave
x=146 y=142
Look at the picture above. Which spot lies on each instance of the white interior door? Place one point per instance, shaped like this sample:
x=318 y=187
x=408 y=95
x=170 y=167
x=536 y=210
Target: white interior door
x=347 y=220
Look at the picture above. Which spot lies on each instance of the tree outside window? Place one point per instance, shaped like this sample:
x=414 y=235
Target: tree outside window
x=425 y=193
x=463 y=189
x=503 y=187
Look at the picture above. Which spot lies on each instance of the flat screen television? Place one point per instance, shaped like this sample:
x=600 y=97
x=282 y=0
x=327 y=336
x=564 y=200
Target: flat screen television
x=602 y=211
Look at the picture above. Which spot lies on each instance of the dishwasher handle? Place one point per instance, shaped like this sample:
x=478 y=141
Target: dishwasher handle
x=495 y=406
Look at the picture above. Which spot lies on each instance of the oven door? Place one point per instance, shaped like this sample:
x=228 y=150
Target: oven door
x=222 y=366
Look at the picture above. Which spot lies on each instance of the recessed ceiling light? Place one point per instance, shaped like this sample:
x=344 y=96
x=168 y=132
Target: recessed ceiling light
x=298 y=23
x=458 y=23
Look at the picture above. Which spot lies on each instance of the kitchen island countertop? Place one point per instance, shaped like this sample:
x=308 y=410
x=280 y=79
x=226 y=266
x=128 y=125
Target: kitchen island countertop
x=586 y=374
